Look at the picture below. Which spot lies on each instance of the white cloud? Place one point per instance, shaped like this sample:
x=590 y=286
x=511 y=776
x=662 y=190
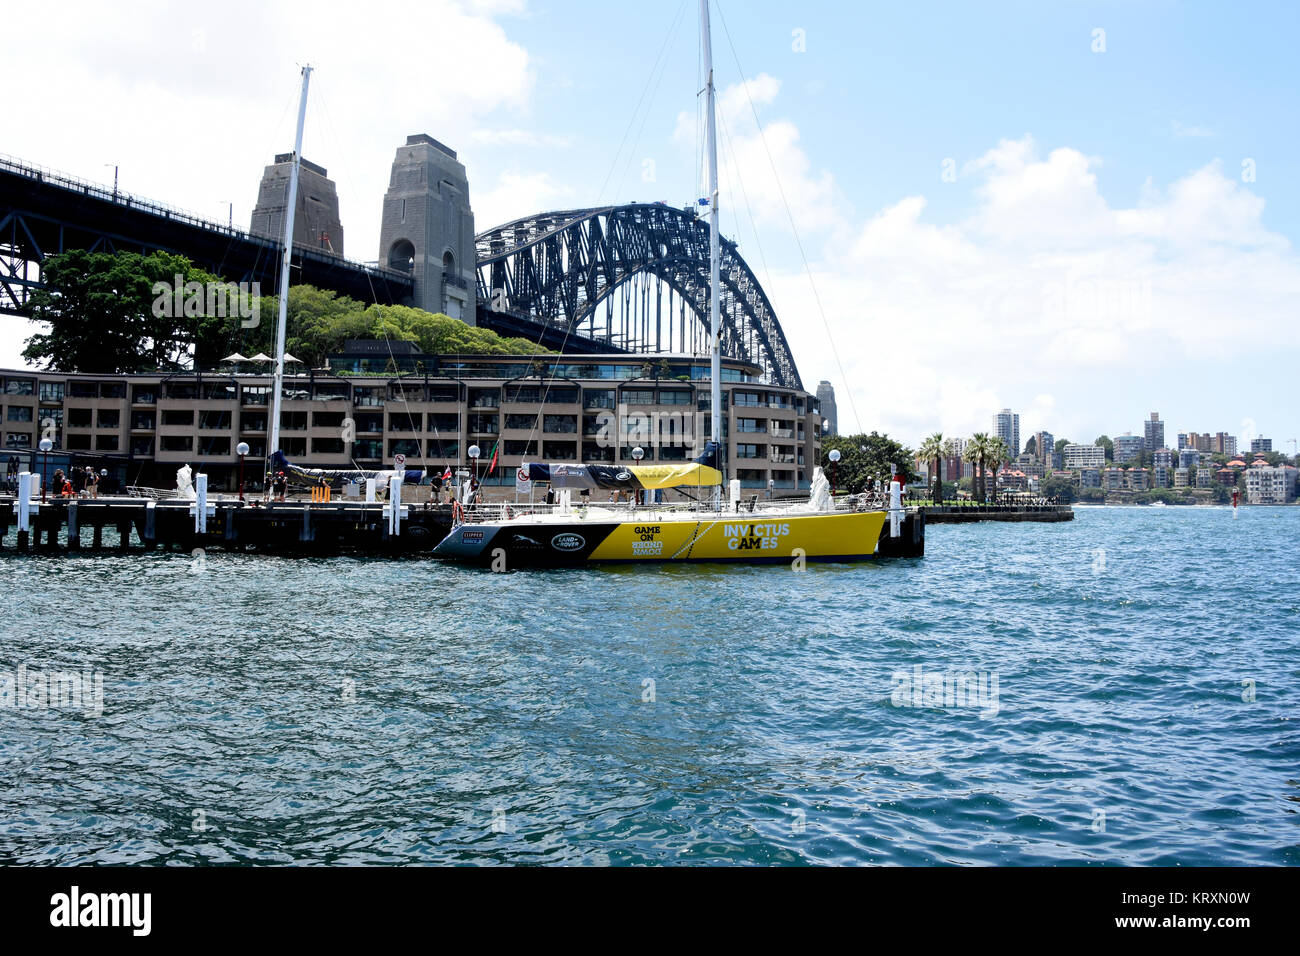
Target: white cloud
x=192 y=106
x=1043 y=298
x=519 y=137
x=517 y=193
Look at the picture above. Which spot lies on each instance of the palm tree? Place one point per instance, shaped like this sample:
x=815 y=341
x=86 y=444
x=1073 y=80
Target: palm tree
x=998 y=452
x=932 y=450
x=977 y=453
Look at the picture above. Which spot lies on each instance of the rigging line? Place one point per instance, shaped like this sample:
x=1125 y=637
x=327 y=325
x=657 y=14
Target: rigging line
x=749 y=210
x=790 y=216
x=632 y=119
x=663 y=69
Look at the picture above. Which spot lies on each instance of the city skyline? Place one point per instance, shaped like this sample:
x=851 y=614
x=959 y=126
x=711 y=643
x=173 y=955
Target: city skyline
x=1119 y=203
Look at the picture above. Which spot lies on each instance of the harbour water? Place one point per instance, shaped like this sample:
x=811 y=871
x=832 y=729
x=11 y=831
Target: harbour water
x=1120 y=689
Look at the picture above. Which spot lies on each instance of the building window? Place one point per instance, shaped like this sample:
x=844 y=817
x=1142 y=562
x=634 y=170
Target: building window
x=178 y=416
x=561 y=396
x=369 y=422
x=112 y=389
x=77 y=442
x=211 y=420
x=293 y=421
x=18 y=386
x=751 y=425
x=109 y=418
x=142 y=421
x=368 y=397
x=410 y=447
x=144 y=395
x=484 y=397
x=83 y=390
x=142 y=446
x=326 y=420
x=594 y=452
x=638 y=396
x=599 y=398
x=18 y=440
x=559 y=451
x=177 y=443
x=327 y=446
x=185 y=391
x=398 y=422
x=560 y=424
x=674 y=396
x=106 y=443
x=443 y=393
x=294 y=446
x=368 y=449
x=527 y=422
x=440 y=422
x=523 y=448
x=51 y=391
x=19 y=413
x=252 y=422
x=79 y=417
x=480 y=424
x=255 y=395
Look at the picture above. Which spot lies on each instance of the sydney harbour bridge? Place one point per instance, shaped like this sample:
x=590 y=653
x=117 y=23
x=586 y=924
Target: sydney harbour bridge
x=628 y=278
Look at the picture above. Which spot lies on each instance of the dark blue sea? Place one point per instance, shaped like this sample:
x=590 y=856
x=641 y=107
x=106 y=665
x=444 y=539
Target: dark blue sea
x=1121 y=689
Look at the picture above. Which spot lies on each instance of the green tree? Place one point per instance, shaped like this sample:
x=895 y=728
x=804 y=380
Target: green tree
x=865 y=458
x=932 y=450
x=1031 y=446
x=977 y=453
x=998 y=452
x=1105 y=442
x=104 y=315
x=1062 y=489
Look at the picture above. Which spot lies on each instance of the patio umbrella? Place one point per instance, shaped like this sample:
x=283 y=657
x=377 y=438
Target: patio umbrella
x=235 y=357
x=261 y=357
x=290 y=358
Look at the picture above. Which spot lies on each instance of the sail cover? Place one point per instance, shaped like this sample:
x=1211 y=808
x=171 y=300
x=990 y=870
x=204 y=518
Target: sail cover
x=703 y=471
x=339 y=476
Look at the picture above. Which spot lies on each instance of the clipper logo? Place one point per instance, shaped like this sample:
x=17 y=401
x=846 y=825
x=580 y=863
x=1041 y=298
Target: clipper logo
x=103 y=909
x=471 y=536
x=568 y=542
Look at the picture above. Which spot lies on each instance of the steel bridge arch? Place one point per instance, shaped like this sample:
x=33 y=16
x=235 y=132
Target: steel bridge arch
x=557 y=268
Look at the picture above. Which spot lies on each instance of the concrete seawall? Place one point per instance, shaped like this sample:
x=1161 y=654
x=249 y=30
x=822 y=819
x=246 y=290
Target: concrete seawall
x=961 y=515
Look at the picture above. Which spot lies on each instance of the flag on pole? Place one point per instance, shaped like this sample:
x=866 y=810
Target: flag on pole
x=446 y=475
x=493 y=467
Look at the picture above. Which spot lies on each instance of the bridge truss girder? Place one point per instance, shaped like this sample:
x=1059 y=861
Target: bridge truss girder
x=558 y=268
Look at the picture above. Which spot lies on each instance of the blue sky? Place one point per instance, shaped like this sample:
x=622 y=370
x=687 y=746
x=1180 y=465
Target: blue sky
x=1094 y=253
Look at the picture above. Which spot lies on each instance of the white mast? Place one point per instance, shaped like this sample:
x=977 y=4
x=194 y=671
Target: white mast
x=273 y=443
x=715 y=391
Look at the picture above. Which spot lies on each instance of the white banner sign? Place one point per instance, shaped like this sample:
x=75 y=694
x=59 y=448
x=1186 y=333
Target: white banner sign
x=523 y=484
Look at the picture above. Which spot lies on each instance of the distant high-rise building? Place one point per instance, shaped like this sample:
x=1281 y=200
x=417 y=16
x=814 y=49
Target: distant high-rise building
x=1084 y=456
x=1006 y=425
x=1153 y=436
x=316 y=216
x=1260 y=445
x=826 y=399
x=1224 y=444
x=1127 y=447
x=1188 y=458
x=1045 y=442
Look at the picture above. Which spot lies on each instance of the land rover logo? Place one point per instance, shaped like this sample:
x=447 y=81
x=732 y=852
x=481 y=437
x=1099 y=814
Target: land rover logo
x=622 y=476
x=568 y=542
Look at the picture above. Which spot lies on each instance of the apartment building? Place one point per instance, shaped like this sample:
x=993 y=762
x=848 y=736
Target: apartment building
x=592 y=408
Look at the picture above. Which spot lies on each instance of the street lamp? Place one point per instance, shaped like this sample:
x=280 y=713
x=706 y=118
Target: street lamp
x=637 y=454
x=834 y=456
x=241 y=449
x=474 y=452
x=114 y=165
x=45 y=447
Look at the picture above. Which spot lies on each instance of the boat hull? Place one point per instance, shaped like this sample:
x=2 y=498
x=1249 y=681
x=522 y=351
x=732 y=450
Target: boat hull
x=844 y=536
